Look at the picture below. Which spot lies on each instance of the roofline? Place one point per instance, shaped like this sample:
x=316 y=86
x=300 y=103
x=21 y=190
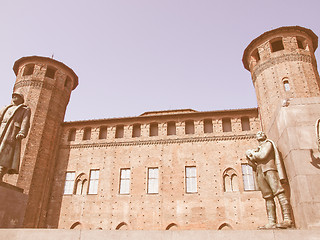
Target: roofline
x=45 y=59
x=161 y=116
x=309 y=32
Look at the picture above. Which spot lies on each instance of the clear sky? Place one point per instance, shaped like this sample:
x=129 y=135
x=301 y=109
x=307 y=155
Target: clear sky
x=135 y=56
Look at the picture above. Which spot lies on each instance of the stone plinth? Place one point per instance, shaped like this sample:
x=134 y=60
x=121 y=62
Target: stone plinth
x=48 y=234
x=12 y=206
x=293 y=130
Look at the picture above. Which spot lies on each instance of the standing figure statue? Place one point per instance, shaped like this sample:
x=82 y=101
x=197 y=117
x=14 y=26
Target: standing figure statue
x=265 y=160
x=15 y=123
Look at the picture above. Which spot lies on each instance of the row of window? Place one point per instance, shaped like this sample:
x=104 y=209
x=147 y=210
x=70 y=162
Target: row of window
x=75 y=185
x=50 y=73
x=277 y=45
x=154 y=129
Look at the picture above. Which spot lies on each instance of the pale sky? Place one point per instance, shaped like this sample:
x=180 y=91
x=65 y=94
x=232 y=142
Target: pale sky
x=145 y=55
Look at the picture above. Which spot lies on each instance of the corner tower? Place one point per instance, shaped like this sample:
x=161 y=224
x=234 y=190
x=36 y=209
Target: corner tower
x=285 y=76
x=46 y=85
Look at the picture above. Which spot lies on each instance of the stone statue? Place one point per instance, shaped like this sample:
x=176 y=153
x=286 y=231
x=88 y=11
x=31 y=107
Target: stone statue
x=15 y=123
x=266 y=161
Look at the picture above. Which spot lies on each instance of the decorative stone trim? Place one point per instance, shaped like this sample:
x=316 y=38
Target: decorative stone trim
x=161 y=141
x=284 y=58
x=34 y=83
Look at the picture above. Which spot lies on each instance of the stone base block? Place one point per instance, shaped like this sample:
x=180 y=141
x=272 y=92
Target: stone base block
x=12 y=206
x=53 y=234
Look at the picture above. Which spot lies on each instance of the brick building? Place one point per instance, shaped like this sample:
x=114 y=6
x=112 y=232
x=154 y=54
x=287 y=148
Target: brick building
x=180 y=169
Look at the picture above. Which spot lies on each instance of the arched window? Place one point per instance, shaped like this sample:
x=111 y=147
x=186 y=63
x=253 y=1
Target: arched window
x=234 y=183
x=230 y=180
x=76 y=225
x=286 y=84
x=122 y=226
x=81 y=183
x=172 y=226
x=225 y=226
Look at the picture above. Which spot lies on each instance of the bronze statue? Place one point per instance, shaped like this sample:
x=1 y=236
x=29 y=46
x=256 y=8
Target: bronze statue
x=266 y=161
x=15 y=123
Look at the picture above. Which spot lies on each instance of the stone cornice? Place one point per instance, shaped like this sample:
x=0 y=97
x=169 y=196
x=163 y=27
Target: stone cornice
x=284 y=58
x=160 y=141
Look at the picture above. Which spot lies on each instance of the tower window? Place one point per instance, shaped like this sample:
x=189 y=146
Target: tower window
x=189 y=127
x=301 y=42
x=226 y=125
x=103 y=132
x=136 y=130
x=286 y=84
x=207 y=126
x=171 y=128
x=153 y=129
x=68 y=82
x=277 y=45
x=119 y=131
x=28 y=70
x=245 y=124
x=87 y=134
x=256 y=55
x=50 y=72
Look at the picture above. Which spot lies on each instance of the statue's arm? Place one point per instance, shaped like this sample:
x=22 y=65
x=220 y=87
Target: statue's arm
x=263 y=152
x=25 y=124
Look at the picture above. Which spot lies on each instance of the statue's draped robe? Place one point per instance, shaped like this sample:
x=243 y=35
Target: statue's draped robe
x=13 y=120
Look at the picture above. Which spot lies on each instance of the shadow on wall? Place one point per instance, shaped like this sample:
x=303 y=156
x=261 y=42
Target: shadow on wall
x=315 y=156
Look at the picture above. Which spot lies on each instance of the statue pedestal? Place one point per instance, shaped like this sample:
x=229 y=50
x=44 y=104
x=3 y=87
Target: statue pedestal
x=12 y=206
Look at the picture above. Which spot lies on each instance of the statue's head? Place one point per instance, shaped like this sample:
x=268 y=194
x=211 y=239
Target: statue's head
x=261 y=136
x=17 y=98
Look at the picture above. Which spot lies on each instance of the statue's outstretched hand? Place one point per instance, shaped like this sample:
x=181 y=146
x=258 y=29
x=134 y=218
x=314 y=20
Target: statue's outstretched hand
x=20 y=136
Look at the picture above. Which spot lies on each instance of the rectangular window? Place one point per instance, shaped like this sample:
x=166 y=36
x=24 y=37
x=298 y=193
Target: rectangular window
x=191 y=179
x=50 y=72
x=207 y=126
x=119 y=131
x=136 y=130
x=72 y=135
x=245 y=124
x=171 y=128
x=277 y=45
x=93 y=182
x=87 y=134
x=69 y=184
x=248 y=177
x=153 y=180
x=103 y=132
x=124 y=181
x=226 y=125
x=153 y=129
x=189 y=127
